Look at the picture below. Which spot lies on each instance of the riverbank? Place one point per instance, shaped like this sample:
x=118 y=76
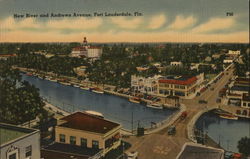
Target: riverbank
x=108 y=89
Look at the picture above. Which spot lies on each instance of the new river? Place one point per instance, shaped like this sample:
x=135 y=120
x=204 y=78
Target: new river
x=112 y=107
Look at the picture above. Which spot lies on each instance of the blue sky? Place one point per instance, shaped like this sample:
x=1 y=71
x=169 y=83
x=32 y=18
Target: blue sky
x=162 y=21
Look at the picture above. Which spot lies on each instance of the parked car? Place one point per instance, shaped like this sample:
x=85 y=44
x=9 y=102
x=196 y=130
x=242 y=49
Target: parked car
x=202 y=101
x=171 y=130
x=132 y=155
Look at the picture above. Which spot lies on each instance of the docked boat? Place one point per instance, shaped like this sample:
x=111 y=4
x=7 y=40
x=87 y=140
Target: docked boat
x=98 y=90
x=53 y=80
x=84 y=88
x=135 y=100
x=155 y=105
x=228 y=116
x=29 y=74
x=65 y=83
x=75 y=85
x=47 y=78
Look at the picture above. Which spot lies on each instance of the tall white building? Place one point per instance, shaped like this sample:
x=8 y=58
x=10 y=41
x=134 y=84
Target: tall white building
x=93 y=52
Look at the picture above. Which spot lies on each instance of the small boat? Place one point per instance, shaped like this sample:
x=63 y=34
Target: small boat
x=228 y=116
x=75 y=85
x=98 y=90
x=65 y=83
x=53 y=80
x=84 y=88
x=155 y=105
x=135 y=100
x=29 y=74
x=47 y=78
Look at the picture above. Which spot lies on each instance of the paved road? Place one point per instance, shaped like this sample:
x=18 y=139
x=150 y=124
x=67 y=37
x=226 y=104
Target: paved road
x=160 y=145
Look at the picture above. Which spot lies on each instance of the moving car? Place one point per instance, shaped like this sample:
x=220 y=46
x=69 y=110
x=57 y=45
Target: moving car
x=132 y=155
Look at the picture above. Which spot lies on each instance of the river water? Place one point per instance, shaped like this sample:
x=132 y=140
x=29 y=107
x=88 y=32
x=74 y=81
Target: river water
x=112 y=107
x=224 y=131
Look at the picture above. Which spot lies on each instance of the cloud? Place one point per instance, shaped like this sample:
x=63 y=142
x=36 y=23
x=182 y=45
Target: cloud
x=214 y=24
x=11 y=23
x=157 y=21
x=31 y=23
x=76 y=23
x=182 y=22
x=127 y=23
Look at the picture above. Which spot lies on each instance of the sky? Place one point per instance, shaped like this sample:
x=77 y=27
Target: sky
x=160 y=21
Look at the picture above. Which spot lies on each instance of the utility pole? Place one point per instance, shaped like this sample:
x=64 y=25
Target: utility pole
x=132 y=122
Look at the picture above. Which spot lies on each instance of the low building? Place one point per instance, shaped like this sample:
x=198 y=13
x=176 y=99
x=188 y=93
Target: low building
x=228 y=60
x=234 y=52
x=175 y=63
x=198 y=151
x=245 y=102
x=146 y=85
x=18 y=142
x=80 y=71
x=182 y=86
x=88 y=132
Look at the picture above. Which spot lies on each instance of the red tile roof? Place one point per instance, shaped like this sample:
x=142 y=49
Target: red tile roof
x=88 y=122
x=180 y=82
x=79 y=48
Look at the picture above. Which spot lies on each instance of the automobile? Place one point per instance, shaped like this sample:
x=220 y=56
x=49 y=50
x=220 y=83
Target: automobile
x=218 y=100
x=132 y=155
x=198 y=94
x=171 y=130
x=202 y=101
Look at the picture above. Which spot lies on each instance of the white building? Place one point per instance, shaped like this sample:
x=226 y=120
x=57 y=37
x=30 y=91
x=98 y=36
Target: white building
x=86 y=50
x=176 y=63
x=228 y=60
x=145 y=84
x=19 y=143
x=232 y=52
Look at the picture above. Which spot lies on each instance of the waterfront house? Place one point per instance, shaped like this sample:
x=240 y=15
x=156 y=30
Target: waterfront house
x=88 y=133
x=181 y=86
x=18 y=142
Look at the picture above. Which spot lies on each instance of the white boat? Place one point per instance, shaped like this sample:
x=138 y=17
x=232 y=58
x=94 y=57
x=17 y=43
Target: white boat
x=84 y=88
x=53 y=80
x=228 y=116
x=98 y=91
x=155 y=105
x=65 y=83
x=135 y=100
x=47 y=78
x=75 y=85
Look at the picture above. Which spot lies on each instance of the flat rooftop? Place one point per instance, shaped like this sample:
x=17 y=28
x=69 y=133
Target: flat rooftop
x=11 y=132
x=88 y=122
